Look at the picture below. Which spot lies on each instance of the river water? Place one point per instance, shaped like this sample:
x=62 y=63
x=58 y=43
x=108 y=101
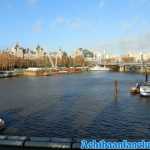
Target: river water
x=77 y=105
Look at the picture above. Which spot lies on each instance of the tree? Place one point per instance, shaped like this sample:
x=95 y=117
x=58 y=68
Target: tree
x=127 y=59
x=23 y=51
x=79 y=60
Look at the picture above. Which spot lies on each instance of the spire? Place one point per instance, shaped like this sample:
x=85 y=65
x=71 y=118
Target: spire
x=38 y=46
x=17 y=45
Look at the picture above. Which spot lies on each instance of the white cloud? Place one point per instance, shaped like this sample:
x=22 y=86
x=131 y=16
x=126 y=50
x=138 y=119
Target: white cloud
x=101 y=4
x=139 y=42
x=139 y=1
x=37 y=27
x=129 y=25
x=75 y=24
x=32 y=2
x=131 y=43
x=9 y=6
x=60 y=20
x=138 y=5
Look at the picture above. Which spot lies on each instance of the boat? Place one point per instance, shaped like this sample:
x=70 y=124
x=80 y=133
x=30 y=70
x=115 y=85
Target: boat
x=142 y=88
x=36 y=72
x=98 y=68
x=2 y=124
x=145 y=89
x=136 y=89
x=11 y=73
x=5 y=74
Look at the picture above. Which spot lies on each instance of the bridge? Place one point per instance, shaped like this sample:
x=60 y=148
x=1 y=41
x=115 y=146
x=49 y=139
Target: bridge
x=128 y=67
x=125 y=64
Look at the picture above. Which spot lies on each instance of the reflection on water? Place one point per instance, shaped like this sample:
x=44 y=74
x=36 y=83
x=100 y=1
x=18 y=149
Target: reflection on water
x=79 y=105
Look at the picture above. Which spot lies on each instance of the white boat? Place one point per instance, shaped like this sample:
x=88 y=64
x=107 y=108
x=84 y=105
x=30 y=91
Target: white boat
x=98 y=68
x=145 y=89
x=34 y=69
x=2 y=124
x=5 y=74
x=62 y=71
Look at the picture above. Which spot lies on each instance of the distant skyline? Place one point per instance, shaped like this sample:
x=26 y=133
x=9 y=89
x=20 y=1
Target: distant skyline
x=113 y=25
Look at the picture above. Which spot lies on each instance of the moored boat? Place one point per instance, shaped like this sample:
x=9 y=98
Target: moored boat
x=142 y=88
x=136 y=89
x=98 y=68
x=2 y=124
x=36 y=72
x=145 y=89
x=62 y=72
x=5 y=74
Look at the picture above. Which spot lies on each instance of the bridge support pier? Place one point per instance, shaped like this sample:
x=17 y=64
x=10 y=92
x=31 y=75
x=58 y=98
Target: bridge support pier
x=122 y=68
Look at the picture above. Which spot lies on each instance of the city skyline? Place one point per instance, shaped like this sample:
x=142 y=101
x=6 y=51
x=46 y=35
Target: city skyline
x=116 y=26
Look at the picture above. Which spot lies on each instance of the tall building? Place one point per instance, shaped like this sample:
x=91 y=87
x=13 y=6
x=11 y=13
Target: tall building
x=39 y=51
x=17 y=50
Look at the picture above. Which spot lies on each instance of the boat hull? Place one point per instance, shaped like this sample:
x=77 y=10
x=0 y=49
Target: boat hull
x=145 y=94
x=135 y=90
x=145 y=90
x=2 y=124
x=97 y=68
x=36 y=73
x=6 y=74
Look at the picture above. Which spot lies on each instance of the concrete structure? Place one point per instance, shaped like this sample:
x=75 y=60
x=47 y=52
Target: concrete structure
x=42 y=143
x=129 y=67
x=45 y=143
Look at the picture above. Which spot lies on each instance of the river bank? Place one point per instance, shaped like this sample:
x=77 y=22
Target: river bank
x=41 y=71
x=35 y=72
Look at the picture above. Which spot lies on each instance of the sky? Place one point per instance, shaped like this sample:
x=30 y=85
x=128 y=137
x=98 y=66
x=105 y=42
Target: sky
x=114 y=25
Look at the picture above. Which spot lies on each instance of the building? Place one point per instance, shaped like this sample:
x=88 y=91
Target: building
x=17 y=51
x=39 y=51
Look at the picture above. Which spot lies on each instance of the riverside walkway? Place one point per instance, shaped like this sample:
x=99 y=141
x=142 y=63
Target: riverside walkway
x=34 y=143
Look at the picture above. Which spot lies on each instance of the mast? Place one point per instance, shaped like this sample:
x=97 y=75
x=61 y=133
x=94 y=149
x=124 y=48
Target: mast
x=144 y=68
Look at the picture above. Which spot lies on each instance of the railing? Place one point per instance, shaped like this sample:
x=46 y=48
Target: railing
x=126 y=64
x=42 y=143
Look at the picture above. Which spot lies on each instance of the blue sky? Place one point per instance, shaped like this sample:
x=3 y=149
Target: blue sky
x=114 y=25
